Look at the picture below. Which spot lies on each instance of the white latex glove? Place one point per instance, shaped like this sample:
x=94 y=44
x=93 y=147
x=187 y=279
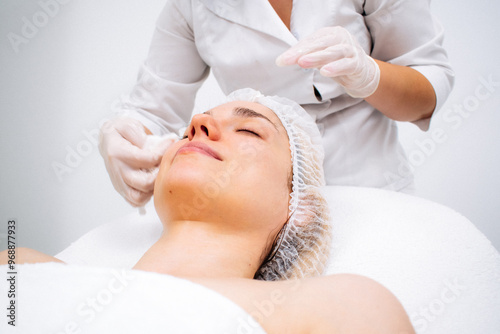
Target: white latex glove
x=339 y=56
x=132 y=157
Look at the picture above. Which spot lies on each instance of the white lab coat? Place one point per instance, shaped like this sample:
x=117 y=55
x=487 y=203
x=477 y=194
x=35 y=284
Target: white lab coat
x=239 y=41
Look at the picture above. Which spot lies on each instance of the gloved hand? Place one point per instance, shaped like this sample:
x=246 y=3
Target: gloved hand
x=132 y=157
x=339 y=56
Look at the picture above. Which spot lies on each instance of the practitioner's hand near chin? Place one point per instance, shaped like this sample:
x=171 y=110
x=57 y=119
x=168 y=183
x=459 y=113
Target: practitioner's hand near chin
x=132 y=164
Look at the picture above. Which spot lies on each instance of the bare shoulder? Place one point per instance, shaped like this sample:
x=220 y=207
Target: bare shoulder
x=347 y=303
x=341 y=303
x=26 y=255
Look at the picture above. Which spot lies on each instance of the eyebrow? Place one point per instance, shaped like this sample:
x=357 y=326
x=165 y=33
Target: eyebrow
x=249 y=113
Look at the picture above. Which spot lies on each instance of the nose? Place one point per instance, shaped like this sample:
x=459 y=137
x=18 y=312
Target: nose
x=204 y=125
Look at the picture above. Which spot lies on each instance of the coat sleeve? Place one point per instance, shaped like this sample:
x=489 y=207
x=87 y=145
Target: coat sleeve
x=405 y=33
x=163 y=96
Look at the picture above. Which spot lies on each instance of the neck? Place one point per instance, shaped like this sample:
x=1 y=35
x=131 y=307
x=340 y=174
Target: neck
x=198 y=249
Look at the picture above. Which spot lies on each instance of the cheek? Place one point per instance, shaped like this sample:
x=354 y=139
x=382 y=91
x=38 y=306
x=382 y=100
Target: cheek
x=267 y=178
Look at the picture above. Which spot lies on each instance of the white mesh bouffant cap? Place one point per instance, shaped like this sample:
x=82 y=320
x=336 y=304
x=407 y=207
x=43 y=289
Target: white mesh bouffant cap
x=302 y=246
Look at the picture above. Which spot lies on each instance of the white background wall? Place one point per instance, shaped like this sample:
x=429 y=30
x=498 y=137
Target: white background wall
x=68 y=74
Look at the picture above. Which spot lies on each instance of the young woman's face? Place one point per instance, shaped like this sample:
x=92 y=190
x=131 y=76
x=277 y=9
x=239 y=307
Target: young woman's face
x=232 y=166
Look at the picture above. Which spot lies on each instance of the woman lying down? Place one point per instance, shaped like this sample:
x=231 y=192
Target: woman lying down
x=263 y=225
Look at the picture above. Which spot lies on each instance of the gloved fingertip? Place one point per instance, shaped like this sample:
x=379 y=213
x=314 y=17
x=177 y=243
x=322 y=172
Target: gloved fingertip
x=137 y=198
x=286 y=59
x=154 y=172
x=150 y=174
x=327 y=71
x=280 y=62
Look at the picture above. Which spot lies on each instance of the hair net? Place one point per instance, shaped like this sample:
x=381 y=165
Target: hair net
x=302 y=246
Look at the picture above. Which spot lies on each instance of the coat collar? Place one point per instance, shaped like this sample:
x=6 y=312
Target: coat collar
x=255 y=14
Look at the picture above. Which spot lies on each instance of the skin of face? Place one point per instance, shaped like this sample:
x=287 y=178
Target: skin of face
x=231 y=170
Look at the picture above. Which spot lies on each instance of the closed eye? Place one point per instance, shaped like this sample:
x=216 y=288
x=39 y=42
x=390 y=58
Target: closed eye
x=248 y=131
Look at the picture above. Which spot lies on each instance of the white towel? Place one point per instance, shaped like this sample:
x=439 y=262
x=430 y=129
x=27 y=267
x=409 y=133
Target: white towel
x=59 y=298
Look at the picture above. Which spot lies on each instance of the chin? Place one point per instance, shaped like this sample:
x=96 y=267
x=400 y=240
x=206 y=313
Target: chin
x=185 y=193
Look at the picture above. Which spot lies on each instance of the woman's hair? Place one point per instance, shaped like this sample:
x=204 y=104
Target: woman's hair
x=302 y=246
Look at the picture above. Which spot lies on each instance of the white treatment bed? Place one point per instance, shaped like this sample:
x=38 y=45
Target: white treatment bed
x=443 y=270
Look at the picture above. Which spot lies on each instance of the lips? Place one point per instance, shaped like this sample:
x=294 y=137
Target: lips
x=198 y=147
